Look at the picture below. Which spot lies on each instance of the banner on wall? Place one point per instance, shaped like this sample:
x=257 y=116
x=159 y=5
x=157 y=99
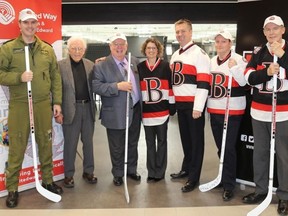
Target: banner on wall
x=49 y=30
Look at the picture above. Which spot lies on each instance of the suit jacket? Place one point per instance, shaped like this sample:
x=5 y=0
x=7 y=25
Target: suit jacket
x=106 y=75
x=68 y=88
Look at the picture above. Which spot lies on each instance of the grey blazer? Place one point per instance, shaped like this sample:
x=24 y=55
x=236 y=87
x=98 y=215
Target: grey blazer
x=106 y=75
x=68 y=88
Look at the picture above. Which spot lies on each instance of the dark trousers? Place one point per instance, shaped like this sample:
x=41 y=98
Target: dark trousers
x=230 y=156
x=82 y=124
x=156 y=150
x=116 y=140
x=192 y=138
x=261 y=156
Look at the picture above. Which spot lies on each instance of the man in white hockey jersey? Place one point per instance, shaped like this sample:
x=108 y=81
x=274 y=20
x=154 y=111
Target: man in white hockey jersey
x=224 y=65
x=190 y=68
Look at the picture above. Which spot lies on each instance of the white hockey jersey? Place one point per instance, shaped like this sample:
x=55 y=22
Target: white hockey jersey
x=220 y=71
x=190 y=69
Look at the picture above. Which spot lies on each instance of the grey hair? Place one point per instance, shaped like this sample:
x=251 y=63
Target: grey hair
x=73 y=39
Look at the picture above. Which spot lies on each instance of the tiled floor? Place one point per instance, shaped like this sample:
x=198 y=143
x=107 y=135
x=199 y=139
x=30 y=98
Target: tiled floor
x=161 y=198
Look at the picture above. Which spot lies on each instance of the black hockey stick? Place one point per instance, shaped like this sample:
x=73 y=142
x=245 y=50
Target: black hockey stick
x=44 y=192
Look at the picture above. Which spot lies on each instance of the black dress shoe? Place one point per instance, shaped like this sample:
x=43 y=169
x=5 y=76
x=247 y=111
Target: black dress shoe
x=181 y=174
x=282 y=207
x=253 y=198
x=150 y=179
x=135 y=176
x=158 y=179
x=68 y=182
x=117 y=181
x=54 y=188
x=12 y=199
x=189 y=186
x=227 y=195
x=89 y=178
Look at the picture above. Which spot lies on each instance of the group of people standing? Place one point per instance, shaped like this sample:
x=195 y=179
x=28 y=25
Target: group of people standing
x=189 y=84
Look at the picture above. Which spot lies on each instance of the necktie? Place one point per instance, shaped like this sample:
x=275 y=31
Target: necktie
x=123 y=70
x=134 y=93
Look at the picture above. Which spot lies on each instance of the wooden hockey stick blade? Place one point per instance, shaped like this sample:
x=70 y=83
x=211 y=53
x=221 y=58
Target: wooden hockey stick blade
x=44 y=192
x=262 y=206
x=210 y=185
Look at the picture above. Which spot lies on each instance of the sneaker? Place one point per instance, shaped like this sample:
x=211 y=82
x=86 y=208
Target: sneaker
x=12 y=199
x=54 y=188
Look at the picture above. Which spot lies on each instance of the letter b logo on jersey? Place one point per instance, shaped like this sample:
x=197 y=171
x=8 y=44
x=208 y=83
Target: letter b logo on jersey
x=154 y=92
x=178 y=77
x=218 y=90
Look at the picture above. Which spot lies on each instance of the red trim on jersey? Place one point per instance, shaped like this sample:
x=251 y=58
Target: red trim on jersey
x=184 y=98
x=204 y=77
x=268 y=108
x=222 y=112
x=183 y=50
x=155 y=114
x=260 y=67
x=188 y=69
x=152 y=67
x=248 y=69
x=219 y=62
x=225 y=84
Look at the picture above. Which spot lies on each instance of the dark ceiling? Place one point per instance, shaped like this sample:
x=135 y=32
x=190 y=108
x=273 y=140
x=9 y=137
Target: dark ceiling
x=162 y=12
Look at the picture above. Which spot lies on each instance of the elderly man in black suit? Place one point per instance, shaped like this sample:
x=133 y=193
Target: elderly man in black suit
x=110 y=82
x=78 y=110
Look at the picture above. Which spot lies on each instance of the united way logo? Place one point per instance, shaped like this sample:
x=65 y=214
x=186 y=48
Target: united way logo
x=7 y=13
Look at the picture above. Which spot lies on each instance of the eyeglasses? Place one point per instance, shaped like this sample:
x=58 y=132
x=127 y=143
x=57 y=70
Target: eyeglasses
x=75 y=49
x=151 y=48
x=119 y=44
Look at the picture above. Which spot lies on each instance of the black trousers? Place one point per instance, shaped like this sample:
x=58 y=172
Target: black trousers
x=192 y=138
x=230 y=156
x=116 y=140
x=156 y=141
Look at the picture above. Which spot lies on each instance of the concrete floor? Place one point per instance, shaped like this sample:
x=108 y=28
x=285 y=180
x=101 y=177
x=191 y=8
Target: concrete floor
x=164 y=197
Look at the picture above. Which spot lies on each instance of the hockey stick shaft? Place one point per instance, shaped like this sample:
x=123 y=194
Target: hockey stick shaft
x=127 y=133
x=78 y=153
x=212 y=184
x=44 y=192
x=263 y=205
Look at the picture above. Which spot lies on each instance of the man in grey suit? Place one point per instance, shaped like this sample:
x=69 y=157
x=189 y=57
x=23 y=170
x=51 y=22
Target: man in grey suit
x=110 y=82
x=78 y=110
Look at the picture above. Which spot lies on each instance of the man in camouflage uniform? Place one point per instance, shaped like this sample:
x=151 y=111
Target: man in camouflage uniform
x=47 y=92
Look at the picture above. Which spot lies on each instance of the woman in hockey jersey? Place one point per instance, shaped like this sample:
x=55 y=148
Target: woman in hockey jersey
x=226 y=63
x=158 y=101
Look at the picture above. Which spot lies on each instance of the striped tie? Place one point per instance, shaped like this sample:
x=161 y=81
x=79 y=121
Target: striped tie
x=123 y=70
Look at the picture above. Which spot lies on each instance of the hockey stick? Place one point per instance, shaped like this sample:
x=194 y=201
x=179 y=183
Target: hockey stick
x=126 y=133
x=265 y=203
x=212 y=184
x=44 y=192
x=78 y=153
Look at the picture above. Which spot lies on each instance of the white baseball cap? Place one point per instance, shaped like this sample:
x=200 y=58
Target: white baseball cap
x=117 y=36
x=273 y=19
x=26 y=14
x=226 y=34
